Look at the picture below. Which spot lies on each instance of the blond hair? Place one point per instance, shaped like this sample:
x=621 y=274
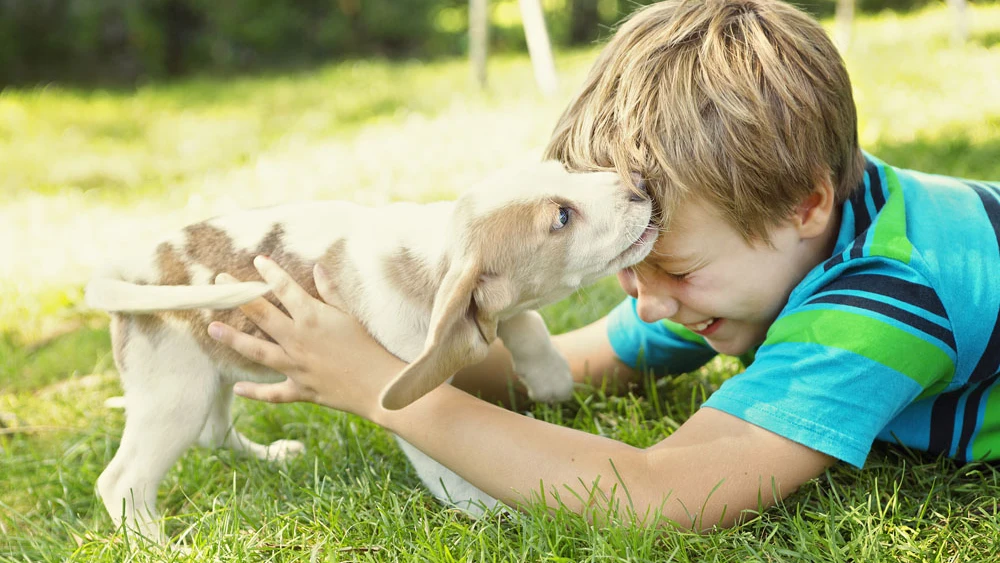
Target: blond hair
x=745 y=104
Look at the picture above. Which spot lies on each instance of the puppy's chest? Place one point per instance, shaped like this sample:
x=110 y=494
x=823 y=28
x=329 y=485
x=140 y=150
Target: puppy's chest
x=399 y=289
x=401 y=328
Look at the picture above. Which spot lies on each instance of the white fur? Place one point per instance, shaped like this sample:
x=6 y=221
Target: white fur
x=176 y=394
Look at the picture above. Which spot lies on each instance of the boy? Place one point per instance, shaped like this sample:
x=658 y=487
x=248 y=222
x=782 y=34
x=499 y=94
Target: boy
x=869 y=296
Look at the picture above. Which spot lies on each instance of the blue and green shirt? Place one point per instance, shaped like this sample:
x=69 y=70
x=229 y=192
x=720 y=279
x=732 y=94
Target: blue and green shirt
x=895 y=337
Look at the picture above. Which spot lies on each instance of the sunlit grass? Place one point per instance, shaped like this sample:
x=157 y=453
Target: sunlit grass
x=87 y=174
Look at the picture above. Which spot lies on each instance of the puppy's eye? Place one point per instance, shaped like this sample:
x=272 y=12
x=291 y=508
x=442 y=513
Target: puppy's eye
x=562 y=219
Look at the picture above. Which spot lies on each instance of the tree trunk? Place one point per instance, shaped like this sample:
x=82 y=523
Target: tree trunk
x=960 y=33
x=479 y=26
x=844 y=21
x=538 y=45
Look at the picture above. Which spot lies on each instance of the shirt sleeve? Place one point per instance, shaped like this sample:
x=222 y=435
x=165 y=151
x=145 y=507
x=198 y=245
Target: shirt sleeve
x=843 y=361
x=662 y=346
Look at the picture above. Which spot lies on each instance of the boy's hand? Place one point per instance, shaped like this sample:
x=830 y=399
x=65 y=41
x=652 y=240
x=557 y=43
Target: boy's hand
x=327 y=356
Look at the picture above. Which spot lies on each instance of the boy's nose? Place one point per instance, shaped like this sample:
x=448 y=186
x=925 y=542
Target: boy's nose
x=653 y=301
x=653 y=307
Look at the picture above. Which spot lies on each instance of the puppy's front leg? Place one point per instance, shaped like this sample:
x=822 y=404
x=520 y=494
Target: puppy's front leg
x=537 y=363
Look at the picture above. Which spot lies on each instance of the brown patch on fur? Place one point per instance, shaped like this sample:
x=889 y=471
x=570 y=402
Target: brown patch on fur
x=346 y=281
x=173 y=270
x=492 y=237
x=150 y=325
x=213 y=249
x=123 y=326
x=413 y=278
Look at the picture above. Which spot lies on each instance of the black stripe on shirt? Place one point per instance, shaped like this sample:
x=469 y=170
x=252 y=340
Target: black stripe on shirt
x=916 y=321
x=920 y=296
x=943 y=422
x=878 y=194
x=862 y=219
x=858 y=243
x=970 y=418
x=989 y=363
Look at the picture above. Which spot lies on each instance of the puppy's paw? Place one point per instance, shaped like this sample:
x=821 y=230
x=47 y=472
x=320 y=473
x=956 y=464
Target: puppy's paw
x=283 y=450
x=547 y=379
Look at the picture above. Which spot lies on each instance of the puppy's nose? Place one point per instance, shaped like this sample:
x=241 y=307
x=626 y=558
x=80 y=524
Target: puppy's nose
x=643 y=189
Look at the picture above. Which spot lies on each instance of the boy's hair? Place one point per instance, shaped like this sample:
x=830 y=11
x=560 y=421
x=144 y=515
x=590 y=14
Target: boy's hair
x=745 y=104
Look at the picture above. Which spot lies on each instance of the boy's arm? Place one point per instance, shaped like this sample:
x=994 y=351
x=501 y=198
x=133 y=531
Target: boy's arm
x=588 y=351
x=711 y=469
x=714 y=467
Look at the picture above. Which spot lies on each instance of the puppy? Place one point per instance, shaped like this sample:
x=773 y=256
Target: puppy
x=434 y=283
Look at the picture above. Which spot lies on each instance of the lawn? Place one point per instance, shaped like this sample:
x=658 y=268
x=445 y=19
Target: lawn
x=87 y=173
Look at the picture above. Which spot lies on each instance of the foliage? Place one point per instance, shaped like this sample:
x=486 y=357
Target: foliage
x=129 y=40
x=132 y=41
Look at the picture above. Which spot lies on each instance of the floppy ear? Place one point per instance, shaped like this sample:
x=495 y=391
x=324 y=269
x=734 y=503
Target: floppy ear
x=460 y=334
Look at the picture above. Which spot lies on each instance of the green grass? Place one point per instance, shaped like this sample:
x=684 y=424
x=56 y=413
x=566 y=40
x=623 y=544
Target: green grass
x=85 y=173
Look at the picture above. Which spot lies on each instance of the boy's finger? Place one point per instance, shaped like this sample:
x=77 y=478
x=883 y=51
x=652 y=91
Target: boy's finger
x=268 y=318
x=286 y=289
x=284 y=392
x=250 y=347
x=260 y=311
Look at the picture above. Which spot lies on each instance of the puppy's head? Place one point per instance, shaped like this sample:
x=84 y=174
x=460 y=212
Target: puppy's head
x=523 y=238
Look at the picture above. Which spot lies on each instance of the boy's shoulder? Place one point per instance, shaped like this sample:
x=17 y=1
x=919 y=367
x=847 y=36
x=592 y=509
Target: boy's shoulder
x=913 y=217
x=917 y=257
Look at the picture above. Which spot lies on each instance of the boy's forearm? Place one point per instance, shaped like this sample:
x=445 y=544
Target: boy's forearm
x=513 y=457
x=505 y=454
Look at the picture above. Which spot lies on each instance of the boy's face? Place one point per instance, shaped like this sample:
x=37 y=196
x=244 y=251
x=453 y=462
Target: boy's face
x=702 y=274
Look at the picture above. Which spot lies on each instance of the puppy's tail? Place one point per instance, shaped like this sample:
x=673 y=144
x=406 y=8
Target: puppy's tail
x=120 y=296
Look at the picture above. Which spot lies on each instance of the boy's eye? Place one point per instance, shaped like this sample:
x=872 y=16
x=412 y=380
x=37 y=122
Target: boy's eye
x=673 y=276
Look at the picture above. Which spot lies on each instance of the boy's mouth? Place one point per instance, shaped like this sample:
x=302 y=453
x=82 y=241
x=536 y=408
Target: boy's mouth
x=705 y=327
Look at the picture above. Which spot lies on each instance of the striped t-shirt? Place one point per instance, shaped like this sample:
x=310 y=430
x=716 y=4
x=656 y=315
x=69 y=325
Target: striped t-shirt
x=895 y=337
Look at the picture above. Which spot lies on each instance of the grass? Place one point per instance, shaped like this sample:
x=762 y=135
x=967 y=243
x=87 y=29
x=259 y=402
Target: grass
x=86 y=172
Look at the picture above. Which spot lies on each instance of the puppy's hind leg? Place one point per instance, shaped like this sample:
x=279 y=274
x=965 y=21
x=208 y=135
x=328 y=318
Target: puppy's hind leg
x=167 y=399
x=219 y=432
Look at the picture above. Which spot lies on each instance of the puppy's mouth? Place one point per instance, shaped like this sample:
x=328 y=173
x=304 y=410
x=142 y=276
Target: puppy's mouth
x=648 y=234
x=639 y=248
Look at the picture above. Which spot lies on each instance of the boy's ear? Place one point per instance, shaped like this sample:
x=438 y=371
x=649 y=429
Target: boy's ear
x=816 y=211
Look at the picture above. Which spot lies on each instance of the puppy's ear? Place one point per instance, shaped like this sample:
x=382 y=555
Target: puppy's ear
x=463 y=325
